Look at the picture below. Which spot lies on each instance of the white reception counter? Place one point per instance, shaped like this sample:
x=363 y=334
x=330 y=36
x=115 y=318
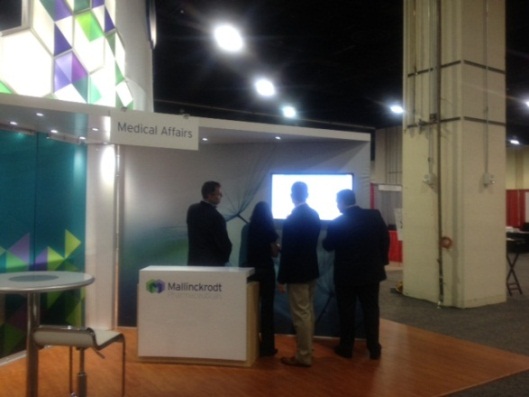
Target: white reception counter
x=199 y=315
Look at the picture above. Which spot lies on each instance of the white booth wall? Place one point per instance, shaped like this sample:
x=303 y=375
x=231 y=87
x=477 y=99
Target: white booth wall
x=101 y=230
x=158 y=185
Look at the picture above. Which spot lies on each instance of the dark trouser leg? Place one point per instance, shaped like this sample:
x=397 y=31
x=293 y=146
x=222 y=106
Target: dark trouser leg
x=346 y=300
x=368 y=296
x=267 y=293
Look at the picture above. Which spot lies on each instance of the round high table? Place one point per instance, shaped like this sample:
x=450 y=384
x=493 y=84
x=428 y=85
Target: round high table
x=32 y=284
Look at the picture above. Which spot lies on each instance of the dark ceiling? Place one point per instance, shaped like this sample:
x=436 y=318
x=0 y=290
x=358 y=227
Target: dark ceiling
x=339 y=62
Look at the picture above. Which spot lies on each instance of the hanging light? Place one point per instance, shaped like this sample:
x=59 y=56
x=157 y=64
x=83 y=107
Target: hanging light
x=265 y=87
x=228 y=38
x=289 y=111
x=397 y=109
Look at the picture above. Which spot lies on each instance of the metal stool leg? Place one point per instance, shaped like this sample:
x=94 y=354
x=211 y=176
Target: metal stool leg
x=70 y=366
x=81 y=376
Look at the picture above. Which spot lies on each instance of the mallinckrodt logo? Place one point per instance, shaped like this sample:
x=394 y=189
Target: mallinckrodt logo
x=155 y=286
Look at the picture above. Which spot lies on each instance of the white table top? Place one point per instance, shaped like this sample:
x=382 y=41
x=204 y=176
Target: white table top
x=42 y=281
x=246 y=271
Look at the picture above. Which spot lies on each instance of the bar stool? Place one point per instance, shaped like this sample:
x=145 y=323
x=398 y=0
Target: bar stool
x=515 y=246
x=80 y=338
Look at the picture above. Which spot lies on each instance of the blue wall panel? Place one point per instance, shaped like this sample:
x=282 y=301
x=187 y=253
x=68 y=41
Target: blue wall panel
x=42 y=225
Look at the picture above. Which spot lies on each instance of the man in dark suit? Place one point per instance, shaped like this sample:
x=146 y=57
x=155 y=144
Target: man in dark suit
x=298 y=269
x=360 y=240
x=209 y=244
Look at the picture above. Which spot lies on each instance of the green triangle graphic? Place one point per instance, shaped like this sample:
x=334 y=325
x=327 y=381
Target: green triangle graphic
x=55 y=260
x=74 y=313
x=67 y=266
x=80 y=5
x=81 y=86
x=93 y=92
x=15 y=264
x=49 y=6
x=13 y=337
x=51 y=298
x=119 y=75
x=89 y=25
x=4 y=89
x=111 y=40
x=71 y=243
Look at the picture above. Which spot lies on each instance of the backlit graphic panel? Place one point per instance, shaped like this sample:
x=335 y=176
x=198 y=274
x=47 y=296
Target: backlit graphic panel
x=72 y=51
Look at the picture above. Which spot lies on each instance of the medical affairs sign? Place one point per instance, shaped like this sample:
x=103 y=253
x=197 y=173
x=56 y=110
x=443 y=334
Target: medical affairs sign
x=130 y=127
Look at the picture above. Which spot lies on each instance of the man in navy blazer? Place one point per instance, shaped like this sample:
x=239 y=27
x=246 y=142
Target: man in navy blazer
x=298 y=270
x=360 y=241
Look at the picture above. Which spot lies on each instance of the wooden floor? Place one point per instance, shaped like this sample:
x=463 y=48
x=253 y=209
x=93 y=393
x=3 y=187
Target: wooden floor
x=414 y=363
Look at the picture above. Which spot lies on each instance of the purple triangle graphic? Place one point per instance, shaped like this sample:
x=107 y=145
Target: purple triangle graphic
x=61 y=44
x=21 y=248
x=78 y=70
x=109 y=23
x=97 y=3
x=41 y=261
x=64 y=64
x=60 y=80
x=61 y=10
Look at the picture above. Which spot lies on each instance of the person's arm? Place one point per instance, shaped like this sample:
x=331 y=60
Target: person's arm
x=274 y=249
x=384 y=238
x=329 y=242
x=286 y=245
x=221 y=238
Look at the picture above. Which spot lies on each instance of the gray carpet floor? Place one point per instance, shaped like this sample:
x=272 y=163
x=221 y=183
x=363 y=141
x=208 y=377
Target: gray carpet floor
x=504 y=326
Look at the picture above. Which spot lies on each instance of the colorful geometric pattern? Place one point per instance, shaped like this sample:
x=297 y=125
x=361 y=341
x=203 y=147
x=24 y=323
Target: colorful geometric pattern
x=42 y=218
x=16 y=258
x=72 y=51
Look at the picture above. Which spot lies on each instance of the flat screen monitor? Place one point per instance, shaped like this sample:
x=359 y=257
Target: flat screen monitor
x=322 y=192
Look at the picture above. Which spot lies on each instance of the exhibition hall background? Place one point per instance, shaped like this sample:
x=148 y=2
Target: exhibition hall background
x=111 y=210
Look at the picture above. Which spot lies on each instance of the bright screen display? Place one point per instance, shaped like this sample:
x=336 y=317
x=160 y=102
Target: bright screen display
x=322 y=193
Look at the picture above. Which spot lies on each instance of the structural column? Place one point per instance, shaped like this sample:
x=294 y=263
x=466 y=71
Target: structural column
x=454 y=152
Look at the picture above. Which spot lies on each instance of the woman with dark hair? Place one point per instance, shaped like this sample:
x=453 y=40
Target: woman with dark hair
x=262 y=247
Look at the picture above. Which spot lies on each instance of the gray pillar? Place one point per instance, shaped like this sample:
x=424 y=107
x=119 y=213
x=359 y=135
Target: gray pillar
x=454 y=151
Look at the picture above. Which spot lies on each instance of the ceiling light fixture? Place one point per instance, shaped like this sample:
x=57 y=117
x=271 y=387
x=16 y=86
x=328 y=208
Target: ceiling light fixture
x=228 y=38
x=397 y=109
x=265 y=87
x=514 y=141
x=289 y=111
x=13 y=123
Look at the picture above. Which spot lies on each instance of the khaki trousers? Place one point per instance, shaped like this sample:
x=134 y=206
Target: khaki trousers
x=301 y=300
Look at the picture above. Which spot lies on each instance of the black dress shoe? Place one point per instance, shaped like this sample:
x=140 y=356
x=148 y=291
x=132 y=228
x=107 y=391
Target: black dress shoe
x=267 y=352
x=343 y=351
x=375 y=355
